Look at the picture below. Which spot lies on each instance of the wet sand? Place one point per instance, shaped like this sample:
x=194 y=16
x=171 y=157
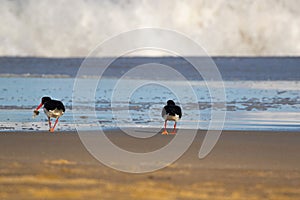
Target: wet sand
x=243 y=165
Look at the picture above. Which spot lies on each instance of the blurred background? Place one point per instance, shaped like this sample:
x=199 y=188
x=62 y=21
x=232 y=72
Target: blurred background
x=224 y=28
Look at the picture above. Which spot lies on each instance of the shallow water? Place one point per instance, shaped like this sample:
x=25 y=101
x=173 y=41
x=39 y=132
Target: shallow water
x=250 y=105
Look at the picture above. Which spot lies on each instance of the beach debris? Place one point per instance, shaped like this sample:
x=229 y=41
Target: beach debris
x=35 y=113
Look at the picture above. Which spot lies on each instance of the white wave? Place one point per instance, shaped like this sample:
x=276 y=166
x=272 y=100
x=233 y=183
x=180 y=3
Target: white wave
x=72 y=28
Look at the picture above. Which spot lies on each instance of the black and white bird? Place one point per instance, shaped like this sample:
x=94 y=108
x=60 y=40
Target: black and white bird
x=52 y=108
x=171 y=112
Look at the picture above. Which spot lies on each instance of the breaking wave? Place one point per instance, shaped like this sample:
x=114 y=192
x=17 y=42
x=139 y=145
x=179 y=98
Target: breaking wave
x=72 y=28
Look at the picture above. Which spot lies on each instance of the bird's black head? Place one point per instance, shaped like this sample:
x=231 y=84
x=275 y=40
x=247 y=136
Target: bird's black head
x=45 y=99
x=170 y=103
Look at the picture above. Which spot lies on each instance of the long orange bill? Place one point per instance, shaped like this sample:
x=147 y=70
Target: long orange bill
x=39 y=106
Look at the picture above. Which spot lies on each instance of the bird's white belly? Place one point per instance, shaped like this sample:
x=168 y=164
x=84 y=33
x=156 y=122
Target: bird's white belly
x=53 y=113
x=171 y=118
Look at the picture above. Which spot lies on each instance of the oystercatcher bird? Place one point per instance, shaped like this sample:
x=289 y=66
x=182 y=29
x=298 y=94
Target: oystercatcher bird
x=171 y=112
x=52 y=108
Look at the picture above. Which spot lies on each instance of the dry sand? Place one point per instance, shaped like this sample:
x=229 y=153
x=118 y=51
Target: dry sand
x=243 y=165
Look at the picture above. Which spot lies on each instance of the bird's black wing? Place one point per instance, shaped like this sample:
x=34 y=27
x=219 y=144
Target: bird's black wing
x=178 y=111
x=170 y=110
x=54 y=104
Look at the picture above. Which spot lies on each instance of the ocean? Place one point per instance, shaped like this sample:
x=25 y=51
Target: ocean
x=261 y=93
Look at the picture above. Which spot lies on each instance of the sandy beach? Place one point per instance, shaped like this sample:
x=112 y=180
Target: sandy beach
x=243 y=165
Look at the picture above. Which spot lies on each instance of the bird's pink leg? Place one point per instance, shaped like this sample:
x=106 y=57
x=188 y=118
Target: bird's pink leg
x=52 y=129
x=174 y=131
x=165 y=132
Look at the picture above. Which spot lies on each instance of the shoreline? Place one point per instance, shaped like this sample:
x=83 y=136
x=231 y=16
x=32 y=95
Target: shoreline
x=151 y=130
